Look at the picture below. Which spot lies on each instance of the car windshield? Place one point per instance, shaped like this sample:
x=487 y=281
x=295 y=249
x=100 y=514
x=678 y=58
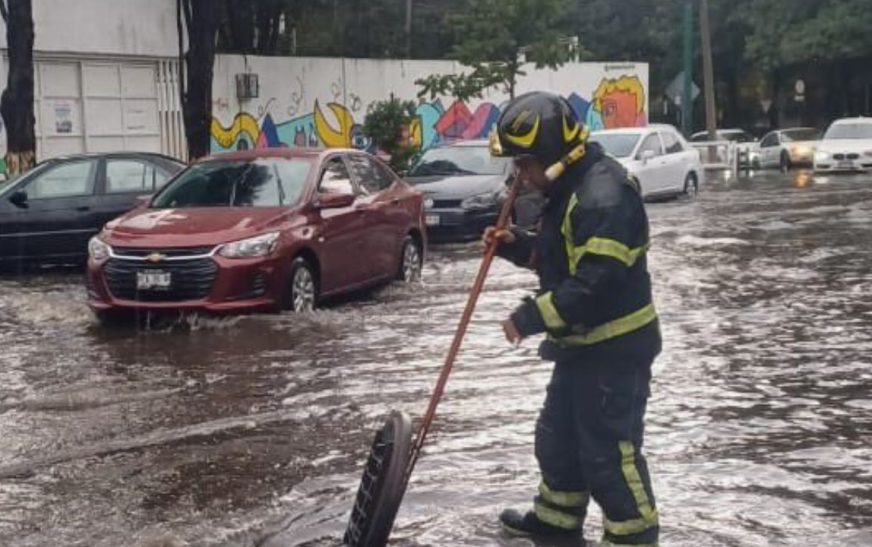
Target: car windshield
x=459 y=160
x=263 y=182
x=850 y=131
x=793 y=135
x=619 y=145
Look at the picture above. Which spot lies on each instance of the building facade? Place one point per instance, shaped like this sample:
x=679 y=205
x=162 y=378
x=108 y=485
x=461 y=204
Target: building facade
x=106 y=77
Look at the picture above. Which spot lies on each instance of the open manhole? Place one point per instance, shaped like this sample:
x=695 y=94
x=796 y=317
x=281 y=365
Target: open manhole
x=381 y=487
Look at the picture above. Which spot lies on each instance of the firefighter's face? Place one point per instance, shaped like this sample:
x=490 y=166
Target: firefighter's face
x=532 y=173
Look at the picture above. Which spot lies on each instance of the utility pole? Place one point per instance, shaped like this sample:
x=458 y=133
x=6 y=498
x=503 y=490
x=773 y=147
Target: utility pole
x=687 y=92
x=408 y=29
x=708 y=73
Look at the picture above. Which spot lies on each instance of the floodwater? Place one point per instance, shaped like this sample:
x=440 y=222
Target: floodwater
x=252 y=431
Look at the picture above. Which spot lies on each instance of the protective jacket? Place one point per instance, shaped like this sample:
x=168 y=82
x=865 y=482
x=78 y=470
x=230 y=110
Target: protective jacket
x=590 y=255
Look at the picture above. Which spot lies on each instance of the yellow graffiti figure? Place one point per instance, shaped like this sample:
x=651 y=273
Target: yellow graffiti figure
x=242 y=123
x=620 y=102
x=334 y=138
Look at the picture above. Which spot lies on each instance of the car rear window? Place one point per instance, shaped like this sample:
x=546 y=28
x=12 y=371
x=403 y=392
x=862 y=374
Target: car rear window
x=263 y=182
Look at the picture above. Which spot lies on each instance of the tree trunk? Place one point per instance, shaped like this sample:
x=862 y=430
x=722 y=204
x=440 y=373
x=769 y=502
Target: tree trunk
x=16 y=103
x=202 y=24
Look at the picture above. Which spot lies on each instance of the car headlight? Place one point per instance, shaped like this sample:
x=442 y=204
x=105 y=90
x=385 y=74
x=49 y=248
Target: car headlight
x=481 y=201
x=261 y=245
x=800 y=150
x=820 y=155
x=98 y=250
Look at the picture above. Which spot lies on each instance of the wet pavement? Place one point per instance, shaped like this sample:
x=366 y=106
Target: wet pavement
x=252 y=431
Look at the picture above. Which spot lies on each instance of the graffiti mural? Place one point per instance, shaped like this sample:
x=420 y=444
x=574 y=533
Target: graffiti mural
x=618 y=102
x=613 y=99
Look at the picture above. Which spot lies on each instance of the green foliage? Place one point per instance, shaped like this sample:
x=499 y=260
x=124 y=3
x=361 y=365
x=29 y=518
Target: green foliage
x=387 y=123
x=490 y=37
x=785 y=32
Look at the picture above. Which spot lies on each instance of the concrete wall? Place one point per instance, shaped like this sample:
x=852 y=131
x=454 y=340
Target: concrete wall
x=323 y=102
x=107 y=27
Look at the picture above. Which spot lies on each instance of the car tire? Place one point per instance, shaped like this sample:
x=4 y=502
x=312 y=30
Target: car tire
x=691 y=185
x=302 y=293
x=784 y=162
x=411 y=261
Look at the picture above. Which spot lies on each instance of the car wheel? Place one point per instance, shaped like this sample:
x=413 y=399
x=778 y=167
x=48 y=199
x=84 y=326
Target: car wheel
x=784 y=163
x=691 y=185
x=411 y=261
x=303 y=293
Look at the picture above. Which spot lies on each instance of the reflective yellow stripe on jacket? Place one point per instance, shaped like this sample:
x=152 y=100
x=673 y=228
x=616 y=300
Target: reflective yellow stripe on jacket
x=612 y=329
x=595 y=245
x=603 y=247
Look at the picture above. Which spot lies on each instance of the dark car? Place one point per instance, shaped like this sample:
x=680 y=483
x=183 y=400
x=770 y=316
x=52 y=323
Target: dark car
x=464 y=188
x=48 y=214
x=260 y=230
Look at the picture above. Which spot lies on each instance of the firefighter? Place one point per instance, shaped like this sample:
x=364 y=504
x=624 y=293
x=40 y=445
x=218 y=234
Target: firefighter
x=594 y=305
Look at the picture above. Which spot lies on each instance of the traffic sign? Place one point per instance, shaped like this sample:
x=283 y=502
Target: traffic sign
x=676 y=89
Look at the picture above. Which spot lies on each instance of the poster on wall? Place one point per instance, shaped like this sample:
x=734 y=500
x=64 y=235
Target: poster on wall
x=63 y=115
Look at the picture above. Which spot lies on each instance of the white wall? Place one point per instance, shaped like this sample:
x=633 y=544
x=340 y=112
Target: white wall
x=323 y=102
x=109 y=27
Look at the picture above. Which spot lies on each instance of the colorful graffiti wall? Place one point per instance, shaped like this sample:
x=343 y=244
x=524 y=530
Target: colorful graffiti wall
x=323 y=102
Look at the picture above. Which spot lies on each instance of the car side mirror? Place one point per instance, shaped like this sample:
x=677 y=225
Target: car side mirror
x=646 y=155
x=141 y=201
x=334 y=201
x=19 y=199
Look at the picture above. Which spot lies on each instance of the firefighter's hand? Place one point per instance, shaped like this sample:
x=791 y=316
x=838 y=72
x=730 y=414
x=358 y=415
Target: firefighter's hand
x=511 y=331
x=502 y=235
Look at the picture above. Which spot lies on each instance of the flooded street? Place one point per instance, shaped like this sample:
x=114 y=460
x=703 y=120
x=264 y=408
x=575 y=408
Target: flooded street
x=252 y=431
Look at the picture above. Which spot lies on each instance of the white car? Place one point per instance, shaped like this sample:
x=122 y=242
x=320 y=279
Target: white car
x=846 y=146
x=788 y=148
x=664 y=163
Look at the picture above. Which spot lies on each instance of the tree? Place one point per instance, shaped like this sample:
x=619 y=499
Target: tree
x=387 y=124
x=16 y=103
x=250 y=27
x=201 y=22
x=784 y=32
x=495 y=37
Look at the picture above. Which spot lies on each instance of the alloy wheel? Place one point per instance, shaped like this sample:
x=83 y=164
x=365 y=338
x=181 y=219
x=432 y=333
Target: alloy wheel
x=303 y=290
x=411 y=262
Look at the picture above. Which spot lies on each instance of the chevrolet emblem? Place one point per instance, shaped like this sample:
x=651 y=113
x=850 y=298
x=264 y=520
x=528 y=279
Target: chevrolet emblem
x=155 y=257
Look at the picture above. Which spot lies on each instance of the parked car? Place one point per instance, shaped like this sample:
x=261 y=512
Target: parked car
x=788 y=148
x=664 y=163
x=846 y=146
x=48 y=214
x=464 y=188
x=260 y=230
x=746 y=145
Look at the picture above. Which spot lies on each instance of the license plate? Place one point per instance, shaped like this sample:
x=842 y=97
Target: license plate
x=845 y=165
x=152 y=279
x=432 y=220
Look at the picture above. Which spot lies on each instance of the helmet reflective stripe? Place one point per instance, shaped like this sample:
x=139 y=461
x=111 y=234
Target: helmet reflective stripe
x=526 y=140
x=569 y=135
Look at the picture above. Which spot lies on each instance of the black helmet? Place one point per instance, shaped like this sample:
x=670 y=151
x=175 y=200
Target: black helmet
x=537 y=124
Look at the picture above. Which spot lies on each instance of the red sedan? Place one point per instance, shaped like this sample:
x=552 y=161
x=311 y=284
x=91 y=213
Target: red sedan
x=260 y=230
